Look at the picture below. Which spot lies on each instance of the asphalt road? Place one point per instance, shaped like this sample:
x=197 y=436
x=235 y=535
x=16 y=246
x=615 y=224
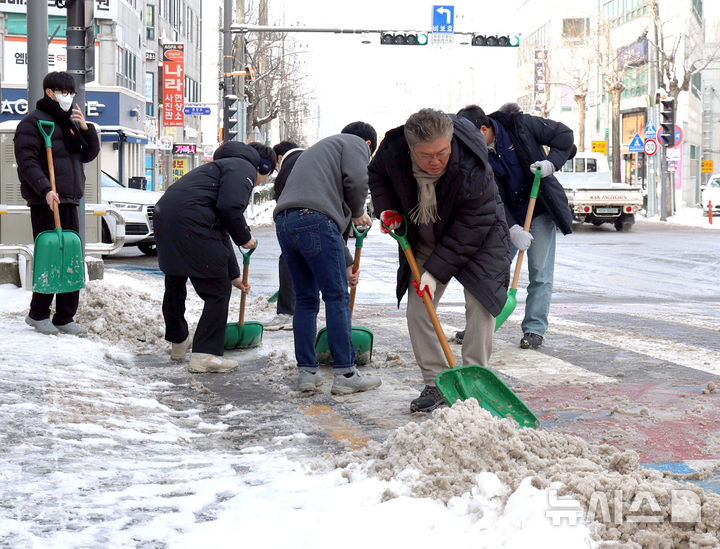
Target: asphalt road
x=631 y=358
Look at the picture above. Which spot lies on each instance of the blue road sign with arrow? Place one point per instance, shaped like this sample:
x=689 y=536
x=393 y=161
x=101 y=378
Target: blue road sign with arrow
x=636 y=145
x=443 y=20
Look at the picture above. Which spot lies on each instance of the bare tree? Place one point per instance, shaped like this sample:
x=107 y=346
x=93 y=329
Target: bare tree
x=612 y=67
x=579 y=67
x=276 y=89
x=676 y=72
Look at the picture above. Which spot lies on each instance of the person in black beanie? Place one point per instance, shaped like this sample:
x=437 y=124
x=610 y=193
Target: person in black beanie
x=74 y=143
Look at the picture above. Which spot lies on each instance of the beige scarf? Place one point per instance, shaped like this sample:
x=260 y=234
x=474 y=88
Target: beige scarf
x=426 y=210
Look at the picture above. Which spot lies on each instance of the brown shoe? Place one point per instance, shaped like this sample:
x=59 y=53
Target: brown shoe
x=201 y=363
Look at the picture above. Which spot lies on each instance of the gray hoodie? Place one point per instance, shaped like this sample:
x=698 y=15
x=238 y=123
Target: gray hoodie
x=330 y=177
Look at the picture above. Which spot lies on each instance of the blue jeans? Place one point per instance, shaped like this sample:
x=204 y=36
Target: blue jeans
x=541 y=271
x=314 y=249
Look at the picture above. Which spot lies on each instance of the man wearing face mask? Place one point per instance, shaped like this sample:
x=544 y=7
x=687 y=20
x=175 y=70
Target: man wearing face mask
x=74 y=142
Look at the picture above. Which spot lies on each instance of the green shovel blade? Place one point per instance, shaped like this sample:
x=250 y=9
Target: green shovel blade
x=362 y=340
x=58 y=265
x=491 y=393
x=243 y=336
x=508 y=308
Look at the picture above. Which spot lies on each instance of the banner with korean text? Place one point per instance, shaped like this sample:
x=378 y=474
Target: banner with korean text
x=173 y=85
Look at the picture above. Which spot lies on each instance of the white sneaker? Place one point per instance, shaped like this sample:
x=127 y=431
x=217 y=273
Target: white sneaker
x=201 y=363
x=179 y=350
x=280 y=322
x=43 y=326
x=72 y=328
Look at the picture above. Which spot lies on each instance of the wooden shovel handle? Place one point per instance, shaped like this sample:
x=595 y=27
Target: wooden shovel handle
x=51 y=171
x=431 y=310
x=526 y=227
x=356 y=266
x=244 y=295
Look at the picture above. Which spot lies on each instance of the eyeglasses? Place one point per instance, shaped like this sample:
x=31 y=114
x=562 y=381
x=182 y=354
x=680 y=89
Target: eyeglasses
x=434 y=156
x=61 y=92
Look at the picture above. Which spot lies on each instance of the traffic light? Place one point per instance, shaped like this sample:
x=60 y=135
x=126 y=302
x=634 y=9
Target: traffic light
x=496 y=40
x=667 y=120
x=400 y=39
x=230 y=118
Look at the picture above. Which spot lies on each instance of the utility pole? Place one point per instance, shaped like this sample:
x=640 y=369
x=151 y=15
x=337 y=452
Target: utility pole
x=240 y=65
x=37 y=36
x=75 y=33
x=228 y=92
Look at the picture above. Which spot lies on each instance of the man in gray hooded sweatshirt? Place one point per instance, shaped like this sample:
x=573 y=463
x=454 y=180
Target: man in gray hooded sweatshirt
x=325 y=191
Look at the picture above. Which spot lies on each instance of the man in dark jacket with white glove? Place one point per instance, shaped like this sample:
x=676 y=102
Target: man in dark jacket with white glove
x=194 y=222
x=74 y=143
x=434 y=171
x=516 y=144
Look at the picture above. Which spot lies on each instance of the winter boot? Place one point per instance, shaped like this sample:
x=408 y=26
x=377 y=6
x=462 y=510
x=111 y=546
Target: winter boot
x=179 y=350
x=430 y=398
x=201 y=363
x=530 y=341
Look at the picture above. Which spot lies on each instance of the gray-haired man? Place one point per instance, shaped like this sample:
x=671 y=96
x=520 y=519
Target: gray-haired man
x=435 y=171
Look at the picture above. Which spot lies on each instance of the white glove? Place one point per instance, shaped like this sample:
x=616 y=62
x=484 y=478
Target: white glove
x=546 y=167
x=520 y=238
x=430 y=281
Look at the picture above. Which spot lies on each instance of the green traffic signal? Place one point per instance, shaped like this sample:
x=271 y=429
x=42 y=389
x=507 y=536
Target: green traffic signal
x=401 y=39
x=496 y=40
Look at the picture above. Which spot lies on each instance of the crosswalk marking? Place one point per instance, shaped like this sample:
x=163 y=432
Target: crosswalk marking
x=690 y=356
x=539 y=369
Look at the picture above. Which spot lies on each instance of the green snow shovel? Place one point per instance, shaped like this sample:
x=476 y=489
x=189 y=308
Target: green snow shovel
x=462 y=382
x=241 y=334
x=511 y=302
x=362 y=338
x=58 y=265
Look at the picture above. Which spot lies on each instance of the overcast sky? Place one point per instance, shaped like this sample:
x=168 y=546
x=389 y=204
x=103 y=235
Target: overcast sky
x=384 y=84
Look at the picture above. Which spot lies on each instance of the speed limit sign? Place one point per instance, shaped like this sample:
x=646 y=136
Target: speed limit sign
x=650 y=147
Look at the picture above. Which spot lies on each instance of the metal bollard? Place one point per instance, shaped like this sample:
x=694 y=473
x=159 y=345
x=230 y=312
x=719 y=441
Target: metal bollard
x=710 y=212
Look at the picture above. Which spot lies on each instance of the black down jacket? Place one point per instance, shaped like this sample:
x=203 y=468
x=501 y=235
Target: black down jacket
x=196 y=214
x=32 y=158
x=471 y=235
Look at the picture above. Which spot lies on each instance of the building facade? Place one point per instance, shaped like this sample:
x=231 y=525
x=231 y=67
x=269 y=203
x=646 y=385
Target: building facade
x=569 y=62
x=126 y=97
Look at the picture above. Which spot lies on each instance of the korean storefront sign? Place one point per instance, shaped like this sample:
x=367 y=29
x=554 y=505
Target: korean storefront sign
x=173 y=85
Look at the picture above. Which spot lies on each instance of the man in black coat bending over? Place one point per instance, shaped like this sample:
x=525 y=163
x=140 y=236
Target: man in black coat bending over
x=194 y=222
x=434 y=171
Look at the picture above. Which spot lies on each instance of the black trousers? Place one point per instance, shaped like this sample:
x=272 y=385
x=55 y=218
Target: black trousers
x=66 y=305
x=210 y=333
x=286 y=293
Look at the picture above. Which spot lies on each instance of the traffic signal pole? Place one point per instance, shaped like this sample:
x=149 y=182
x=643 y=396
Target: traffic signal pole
x=227 y=65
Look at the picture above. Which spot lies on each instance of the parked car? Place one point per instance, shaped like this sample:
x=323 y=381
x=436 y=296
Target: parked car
x=136 y=207
x=711 y=193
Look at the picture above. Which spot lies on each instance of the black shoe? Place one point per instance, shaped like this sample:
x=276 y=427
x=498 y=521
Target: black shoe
x=459 y=336
x=429 y=399
x=531 y=341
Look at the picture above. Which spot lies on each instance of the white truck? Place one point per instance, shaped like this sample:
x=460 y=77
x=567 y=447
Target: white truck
x=592 y=195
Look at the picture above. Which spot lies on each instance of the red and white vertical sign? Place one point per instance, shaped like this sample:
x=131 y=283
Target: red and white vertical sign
x=173 y=84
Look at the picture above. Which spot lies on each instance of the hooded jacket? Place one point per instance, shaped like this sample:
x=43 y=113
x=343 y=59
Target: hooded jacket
x=528 y=134
x=71 y=148
x=197 y=215
x=471 y=235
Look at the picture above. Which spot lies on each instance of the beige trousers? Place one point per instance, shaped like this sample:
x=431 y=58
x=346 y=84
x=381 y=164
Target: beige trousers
x=477 y=343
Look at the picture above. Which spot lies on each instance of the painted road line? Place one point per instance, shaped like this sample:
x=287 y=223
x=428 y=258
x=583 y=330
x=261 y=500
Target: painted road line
x=690 y=356
x=538 y=368
x=336 y=427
